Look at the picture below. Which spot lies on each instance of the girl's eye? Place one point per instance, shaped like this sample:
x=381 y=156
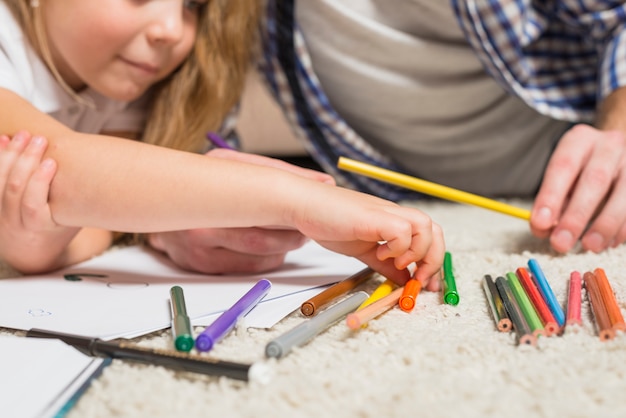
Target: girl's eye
x=194 y=5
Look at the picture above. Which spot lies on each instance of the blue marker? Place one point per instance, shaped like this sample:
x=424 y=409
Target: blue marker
x=227 y=320
x=546 y=291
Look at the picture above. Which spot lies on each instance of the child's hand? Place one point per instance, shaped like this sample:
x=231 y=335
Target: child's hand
x=235 y=250
x=29 y=238
x=382 y=234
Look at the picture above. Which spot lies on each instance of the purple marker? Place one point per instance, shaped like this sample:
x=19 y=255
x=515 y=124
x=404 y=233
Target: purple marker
x=227 y=320
x=218 y=141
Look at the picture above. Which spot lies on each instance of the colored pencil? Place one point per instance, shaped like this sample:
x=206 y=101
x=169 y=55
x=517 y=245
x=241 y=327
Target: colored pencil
x=574 y=301
x=603 y=323
x=501 y=318
x=526 y=306
x=310 y=307
x=547 y=319
x=520 y=326
x=429 y=188
x=546 y=292
x=612 y=308
x=361 y=317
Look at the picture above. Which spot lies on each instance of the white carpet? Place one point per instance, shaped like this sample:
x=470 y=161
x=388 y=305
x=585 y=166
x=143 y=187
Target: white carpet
x=438 y=361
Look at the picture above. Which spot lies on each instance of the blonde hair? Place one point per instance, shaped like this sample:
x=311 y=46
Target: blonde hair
x=202 y=91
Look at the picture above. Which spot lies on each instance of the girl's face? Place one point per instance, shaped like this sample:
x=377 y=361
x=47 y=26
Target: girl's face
x=119 y=47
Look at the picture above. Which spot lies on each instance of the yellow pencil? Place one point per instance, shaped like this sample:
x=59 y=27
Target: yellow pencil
x=381 y=291
x=429 y=188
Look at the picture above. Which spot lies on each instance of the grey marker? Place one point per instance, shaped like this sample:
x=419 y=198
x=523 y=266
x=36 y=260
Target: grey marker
x=302 y=333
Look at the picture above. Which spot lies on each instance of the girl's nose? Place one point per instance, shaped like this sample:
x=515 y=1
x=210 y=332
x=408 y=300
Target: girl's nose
x=167 y=26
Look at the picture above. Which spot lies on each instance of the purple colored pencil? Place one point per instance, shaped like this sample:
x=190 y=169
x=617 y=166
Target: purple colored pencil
x=229 y=318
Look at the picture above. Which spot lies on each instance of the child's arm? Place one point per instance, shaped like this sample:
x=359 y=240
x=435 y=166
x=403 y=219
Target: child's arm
x=30 y=241
x=123 y=185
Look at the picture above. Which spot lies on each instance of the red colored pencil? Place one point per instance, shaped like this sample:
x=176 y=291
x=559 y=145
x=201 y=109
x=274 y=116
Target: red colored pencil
x=605 y=330
x=545 y=314
x=574 y=300
x=612 y=308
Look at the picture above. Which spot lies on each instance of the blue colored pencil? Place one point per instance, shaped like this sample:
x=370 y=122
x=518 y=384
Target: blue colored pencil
x=546 y=292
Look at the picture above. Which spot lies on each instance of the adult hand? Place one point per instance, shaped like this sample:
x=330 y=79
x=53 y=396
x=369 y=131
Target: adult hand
x=583 y=193
x=235 y=250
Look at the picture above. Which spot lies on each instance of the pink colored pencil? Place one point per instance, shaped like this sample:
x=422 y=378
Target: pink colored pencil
x=574 y=300
x=356 y=320
x=545 y=314
x=612 y=308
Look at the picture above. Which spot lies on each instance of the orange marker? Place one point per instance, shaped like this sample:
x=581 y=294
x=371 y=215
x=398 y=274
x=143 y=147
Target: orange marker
x=612 y=308
x=357 y=319
x=605 y=331
x=545 y=314
x=411 y=290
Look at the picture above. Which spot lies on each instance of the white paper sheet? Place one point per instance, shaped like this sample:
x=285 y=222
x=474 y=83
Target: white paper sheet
x=133 y=296
x=38 y=377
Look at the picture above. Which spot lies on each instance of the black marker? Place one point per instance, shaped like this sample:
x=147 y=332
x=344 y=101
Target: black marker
x=170 y=359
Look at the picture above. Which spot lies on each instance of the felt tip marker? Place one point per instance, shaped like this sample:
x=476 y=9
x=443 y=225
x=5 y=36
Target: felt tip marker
x=181 y=326
x=167 y=358
x=311 y=306
x=227 y=320
x=218 y=141
x=450 y=294
x=380 y=292
x=410 y=291
x=308 y=329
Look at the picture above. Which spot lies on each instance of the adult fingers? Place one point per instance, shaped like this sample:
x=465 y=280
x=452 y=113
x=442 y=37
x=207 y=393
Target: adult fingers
x=607 y=228
x=228 y=250
x=560 y=176
x=589 y=195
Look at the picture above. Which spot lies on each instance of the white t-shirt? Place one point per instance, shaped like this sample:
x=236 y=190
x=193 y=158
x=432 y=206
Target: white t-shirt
x=24 y=73
x=403 y=76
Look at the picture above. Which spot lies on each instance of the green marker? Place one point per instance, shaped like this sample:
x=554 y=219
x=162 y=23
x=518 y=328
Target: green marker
x=181 y=326
x=450 y=295
x=526 y=306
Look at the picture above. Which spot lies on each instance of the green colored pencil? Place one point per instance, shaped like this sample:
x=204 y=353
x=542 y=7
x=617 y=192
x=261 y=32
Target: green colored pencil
x=527 y=307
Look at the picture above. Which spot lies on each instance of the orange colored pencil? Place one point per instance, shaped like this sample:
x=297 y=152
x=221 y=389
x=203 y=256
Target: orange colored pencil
x=411 y=289
x=605 y=330
x=612 y=308
x=545 y=314
x=574 y=300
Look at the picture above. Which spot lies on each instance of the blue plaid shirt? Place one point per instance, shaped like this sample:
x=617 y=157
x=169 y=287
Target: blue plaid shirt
x=560 y=57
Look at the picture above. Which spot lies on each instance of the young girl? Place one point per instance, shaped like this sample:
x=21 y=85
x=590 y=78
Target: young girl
x=165 y=71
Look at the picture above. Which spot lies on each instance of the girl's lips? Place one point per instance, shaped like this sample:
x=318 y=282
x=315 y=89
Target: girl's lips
x=149 y=68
